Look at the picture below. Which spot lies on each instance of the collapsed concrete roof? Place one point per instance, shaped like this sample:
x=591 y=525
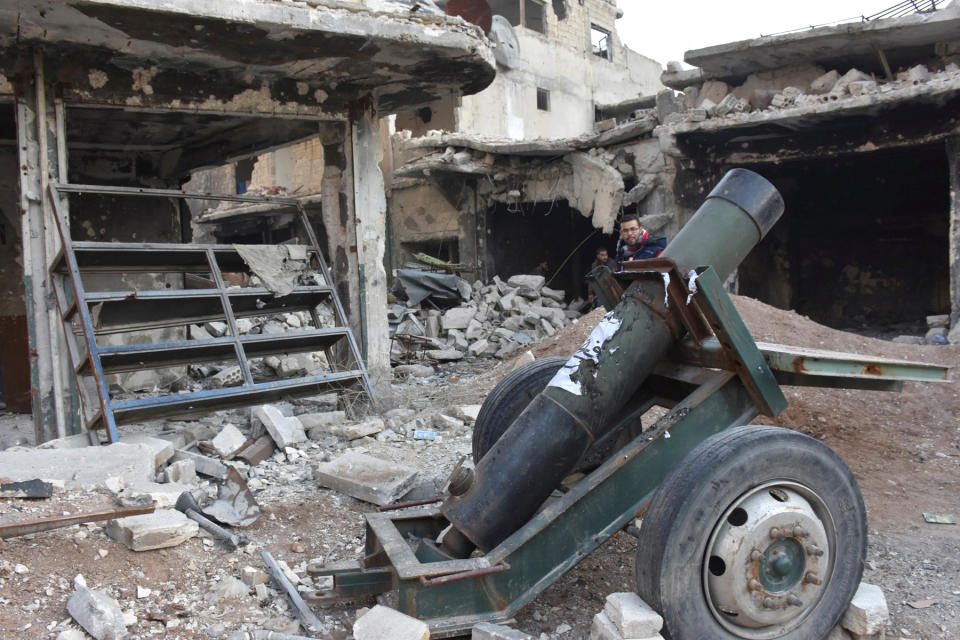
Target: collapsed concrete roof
x=857 y=44
x=288 y=58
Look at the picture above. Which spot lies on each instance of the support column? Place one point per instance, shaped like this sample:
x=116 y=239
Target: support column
x=371 y=215
x=41 y=160
x=953 y=162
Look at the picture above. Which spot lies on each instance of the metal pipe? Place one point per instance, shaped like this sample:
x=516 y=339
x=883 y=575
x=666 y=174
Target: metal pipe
x=545 y=442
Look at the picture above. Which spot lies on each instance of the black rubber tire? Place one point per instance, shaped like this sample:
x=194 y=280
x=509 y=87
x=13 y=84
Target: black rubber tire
x=508 y=400
x=680 y=519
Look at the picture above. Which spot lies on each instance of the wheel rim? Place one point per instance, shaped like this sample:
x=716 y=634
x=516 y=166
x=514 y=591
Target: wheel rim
x=769 y=560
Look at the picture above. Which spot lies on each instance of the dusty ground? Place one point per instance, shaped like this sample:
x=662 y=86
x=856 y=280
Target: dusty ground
x=903 y=448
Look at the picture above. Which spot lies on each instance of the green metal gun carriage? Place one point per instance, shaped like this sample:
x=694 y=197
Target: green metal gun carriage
x=748 y=532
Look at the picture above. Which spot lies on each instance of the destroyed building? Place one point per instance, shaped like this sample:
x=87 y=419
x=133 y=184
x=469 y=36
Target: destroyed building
x=855 y=124
x=124 y=96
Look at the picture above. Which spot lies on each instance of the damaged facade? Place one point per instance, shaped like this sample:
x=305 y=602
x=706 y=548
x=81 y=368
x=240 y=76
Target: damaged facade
x=128 y=94
x=855 y=124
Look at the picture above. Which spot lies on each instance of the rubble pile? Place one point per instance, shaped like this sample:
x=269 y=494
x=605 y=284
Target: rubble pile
x=493 y=321
x=939 y=332
x=765 y=92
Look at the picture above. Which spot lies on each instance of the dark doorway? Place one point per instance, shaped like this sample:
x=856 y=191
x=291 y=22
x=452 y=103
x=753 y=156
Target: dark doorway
x=863 y=242
x=522 y=235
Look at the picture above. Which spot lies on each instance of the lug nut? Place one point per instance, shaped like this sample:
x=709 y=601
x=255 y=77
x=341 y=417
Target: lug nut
x=755 y=555
x=814 y=550
x=794 y=600
x=769 y=603
x=754 y=585
x=800 y=532
x=811 y=577
x=775 y=533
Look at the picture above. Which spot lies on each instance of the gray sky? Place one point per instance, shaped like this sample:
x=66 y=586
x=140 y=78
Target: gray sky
x=664 y=29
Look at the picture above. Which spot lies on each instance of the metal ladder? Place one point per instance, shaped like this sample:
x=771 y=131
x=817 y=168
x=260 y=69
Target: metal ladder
x=87 y=315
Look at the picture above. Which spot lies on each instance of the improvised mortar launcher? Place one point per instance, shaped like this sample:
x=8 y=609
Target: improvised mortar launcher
x=749 y=532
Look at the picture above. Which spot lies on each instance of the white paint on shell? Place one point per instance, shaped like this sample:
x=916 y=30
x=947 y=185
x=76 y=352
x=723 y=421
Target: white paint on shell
x=589 y=350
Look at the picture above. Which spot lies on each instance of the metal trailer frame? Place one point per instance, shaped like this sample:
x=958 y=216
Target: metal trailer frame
x=710 y=384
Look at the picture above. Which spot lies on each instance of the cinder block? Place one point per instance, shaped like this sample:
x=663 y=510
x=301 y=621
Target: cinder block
x=603 y=629
x=366 y=478
x=632 y=616
x=488 y=631
x=284 y=431
x=384 y=623
x=157 y=530
x=867 y=613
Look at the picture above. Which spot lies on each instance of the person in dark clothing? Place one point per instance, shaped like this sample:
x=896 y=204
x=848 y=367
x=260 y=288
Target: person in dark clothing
x=637 y=243
x=602 y=259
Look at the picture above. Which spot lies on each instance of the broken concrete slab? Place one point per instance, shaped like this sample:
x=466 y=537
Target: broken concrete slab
x=457 y=318
x=227 y=377
x=490 y=631
x=367 y=427
x=204 y=465
x=261 y=449
x=383 y=622
x=443 y=355
x=284 y=431
x=228 y=441
x=157 y=530
x=312 y=420
x=182 y=472
x=414 y=370
x=531 y=281
x=162 y=448
x=98 y=614
x=80 y=468
x=164 y=495
x=366 y=478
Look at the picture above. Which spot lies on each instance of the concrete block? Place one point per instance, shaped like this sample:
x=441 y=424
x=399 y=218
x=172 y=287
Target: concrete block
x=478 y=347
x=474 y=330
x=488 y=631
x=98 y=614
x=312 y=420
x=163 y=449
x=443 y=355
x=157 y=530
x=202 y=464
x=384 y=623
x=228 y=441
x=252 y=576
x=941 y=320
x=227 y=377
x=432 y=326
x=867 y=613
x=824 y=84
x=532 y=281
x=713 y=91
x=603 y=629
x=506 y=302
x=82 y=468
x=368 y=427
x=632 y=616
x=216 y=329
x=284 y=431
x=244 y=325
x=457 y=318
x=414 y=370
x=197 y=332
x=182 y=472
x=553 y=294
x=163 y=495
x=366 y=478
x=448 y=423
x=296 y=366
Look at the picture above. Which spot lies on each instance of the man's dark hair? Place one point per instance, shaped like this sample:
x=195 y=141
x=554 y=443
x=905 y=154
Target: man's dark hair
x=630 y=217
x=599 y=249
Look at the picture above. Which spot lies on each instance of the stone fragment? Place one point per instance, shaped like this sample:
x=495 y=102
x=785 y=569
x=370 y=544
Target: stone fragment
x=443 y=355
x=163 y=496
x=918 y=74
x=244 y=325
x=532 y=281
x=862 y=87
x=604 y=125
x=853 y=75
x=825 y=83
x=98 y=614
x=666 y=104
x=489 y=631
x=381 y=623
x=367 y=427
x=311 y=420
x=366 y=478
x=284 y=431
x=80 y=468
x=163 y=449
x=296 y=366
x=216 y=329
x=526 y=358
x=867 y=613
x=713 y=91
x=953 y=337
x=553 y=294
x=71 y=634
x=468 y=412
x=936 y=336
x=204 y=465
x=478 y=347
x=228 y=441
x=603 y=629
x=182 y=472
x=414 y=370
x=457 y=318
x=632 y=616
x=443 y=421
x=143 y=592
x=474 y=330
x=157 y=530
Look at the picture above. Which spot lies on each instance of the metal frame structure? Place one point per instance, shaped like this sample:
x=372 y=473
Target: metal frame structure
x=122 y=311
x=740 y=384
